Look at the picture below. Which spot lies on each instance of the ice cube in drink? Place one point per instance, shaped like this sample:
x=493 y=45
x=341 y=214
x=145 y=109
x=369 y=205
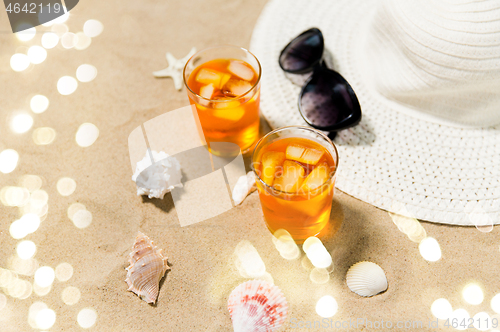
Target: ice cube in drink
x=225 y=92
x=298 y=174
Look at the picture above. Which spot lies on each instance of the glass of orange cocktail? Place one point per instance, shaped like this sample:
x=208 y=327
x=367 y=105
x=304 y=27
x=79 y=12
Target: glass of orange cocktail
x=295 y=169
x=223 y=83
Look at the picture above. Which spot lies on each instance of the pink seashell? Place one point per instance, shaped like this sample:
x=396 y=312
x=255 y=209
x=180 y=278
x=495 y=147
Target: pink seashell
x=147 y=267
x=257 y=306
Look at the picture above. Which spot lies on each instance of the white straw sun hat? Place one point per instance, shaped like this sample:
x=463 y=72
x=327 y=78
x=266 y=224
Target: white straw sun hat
x=427 y=76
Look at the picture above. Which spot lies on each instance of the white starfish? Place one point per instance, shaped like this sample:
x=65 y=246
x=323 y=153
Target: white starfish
x=175 y=67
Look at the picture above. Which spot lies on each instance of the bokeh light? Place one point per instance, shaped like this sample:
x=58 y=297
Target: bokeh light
x=19 y=62
x=319 y=275
x=246 y=259
x=485 y=228
x=309 y=242
x=408 y=225
x=86 y=73
x=441 y=308
x=44 y=136
x=17 y=288
x=21 y=266
x=40 y=211
x=64 y=272
x=92 y=28
x=14 y=196
x=26 y=249
x=69 y=40
x=27 y=34
x=28 y=290
x=8 y=160
x=45 y=319
x=285 y=245
x=66 y=85
x=473 y=294
x=82 y=219
x=66 y=186
x=73 y=208
x=9 y=279
x=37 y=54
x=39 y=198
x=83 y=41
x=480 y=219
x=317 y=253
x=50 y=40
x=6 y=277
x=31 y=182
x=41 y=291
x=21 y=123
x=30 y=222
x=495 y=303
x=306 y=263
x=3 y=197
x=17 y=230
x=71 y=295
x=326 y=306
x=59 y=29
x=429 y=249
x=482 y=321
x=44 y=276
x=39 y=104
x=3 y=301
x=319 y=256
x=461 y=316
x=87 y=318
x=86 y=135
x=34 y=309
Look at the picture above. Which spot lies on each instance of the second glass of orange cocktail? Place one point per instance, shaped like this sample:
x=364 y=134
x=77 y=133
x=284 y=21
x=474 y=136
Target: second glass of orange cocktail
x=295 y=169
x=223 y=83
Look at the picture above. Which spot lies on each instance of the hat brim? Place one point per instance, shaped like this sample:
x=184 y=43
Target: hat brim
x=396 y=157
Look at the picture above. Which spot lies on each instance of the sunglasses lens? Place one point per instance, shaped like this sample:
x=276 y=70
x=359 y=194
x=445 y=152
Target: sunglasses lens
x=302 y=53
x=327 y=102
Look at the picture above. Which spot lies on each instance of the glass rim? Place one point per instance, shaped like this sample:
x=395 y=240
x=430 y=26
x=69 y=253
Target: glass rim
x=222 y=100
x=295 y=127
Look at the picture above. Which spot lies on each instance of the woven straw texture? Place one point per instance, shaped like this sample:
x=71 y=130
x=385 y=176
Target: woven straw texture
x=400 y=157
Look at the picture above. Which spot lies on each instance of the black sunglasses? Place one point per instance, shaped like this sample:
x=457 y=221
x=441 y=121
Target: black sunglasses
x=326 y=101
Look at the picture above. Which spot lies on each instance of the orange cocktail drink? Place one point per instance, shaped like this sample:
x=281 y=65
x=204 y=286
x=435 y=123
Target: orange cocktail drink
x=295 y=169
x=224 y=85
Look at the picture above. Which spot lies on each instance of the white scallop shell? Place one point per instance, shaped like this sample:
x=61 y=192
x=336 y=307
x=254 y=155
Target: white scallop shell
x=366 y=279
x=257 y=306
x=147 y=267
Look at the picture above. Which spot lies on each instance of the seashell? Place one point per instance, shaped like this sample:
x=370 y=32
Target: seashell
x=147 y=267
x=157 y=178
x=366 y=279
x=257 y=306
x=244 y=186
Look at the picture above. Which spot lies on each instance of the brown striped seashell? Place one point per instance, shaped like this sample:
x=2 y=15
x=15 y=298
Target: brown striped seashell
x=147 y=267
